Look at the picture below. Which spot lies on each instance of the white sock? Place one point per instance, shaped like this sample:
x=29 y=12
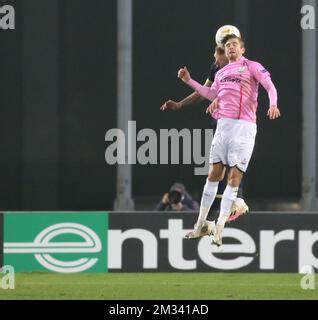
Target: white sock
x=239 y=201
x=228 y=198
x=209 y=192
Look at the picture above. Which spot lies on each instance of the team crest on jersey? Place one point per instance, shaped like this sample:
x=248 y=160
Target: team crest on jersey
x=242 y=69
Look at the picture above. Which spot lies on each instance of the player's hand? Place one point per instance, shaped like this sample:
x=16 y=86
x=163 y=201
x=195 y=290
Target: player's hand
x=170 y=104
x=273 y=112
x=184 y=74
x=212 y=107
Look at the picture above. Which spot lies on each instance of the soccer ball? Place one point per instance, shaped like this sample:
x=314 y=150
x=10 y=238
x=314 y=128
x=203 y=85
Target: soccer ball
x=224 y=31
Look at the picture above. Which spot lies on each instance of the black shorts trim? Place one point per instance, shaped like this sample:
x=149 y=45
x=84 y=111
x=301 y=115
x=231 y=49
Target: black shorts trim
x=225 y=165
x=237 y=168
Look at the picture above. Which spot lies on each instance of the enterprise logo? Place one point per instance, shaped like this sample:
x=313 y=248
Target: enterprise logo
x=43 y=246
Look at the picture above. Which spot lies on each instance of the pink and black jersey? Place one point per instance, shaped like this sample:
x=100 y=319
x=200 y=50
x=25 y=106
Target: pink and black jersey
x=236 y=87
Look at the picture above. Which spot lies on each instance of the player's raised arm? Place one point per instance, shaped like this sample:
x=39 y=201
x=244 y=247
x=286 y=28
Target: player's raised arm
x=191 y=99
x=206 y=92
x=263 y=77
x=195 y=98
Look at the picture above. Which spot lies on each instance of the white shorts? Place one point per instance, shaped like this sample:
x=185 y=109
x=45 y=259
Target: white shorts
x=233 y=143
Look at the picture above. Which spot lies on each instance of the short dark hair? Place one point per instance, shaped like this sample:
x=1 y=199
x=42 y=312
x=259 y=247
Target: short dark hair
x=219 y=50
x=233 y=36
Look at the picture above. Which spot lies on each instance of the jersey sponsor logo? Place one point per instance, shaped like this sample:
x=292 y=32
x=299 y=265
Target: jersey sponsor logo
x=242 y=69
x=231 y=79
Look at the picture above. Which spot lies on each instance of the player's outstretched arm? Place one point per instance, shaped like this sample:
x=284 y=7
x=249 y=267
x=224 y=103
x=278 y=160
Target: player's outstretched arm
x=208 y=93
x=194 y=97
x=191 y=99
x=263 y=76
x=273 y=111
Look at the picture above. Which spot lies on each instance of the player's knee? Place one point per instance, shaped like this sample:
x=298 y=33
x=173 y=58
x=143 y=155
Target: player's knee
x=214 y=176
x=234 y=181
x=216 y=172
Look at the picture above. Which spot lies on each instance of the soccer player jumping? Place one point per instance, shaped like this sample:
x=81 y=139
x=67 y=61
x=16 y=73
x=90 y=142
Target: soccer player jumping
x=236 y=87
x=239 y=207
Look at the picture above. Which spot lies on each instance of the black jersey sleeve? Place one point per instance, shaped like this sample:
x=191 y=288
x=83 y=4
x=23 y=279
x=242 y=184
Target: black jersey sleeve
x=213 y=70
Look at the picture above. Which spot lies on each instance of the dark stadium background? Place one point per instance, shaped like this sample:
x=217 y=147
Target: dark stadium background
x=58 y=97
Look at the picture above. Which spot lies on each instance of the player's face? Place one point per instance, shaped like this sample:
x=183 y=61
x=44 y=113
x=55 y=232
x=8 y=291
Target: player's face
x=220 y=59
x=233 y=49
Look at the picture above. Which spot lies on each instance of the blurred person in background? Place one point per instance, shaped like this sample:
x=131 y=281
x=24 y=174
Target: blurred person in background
x=177 y=199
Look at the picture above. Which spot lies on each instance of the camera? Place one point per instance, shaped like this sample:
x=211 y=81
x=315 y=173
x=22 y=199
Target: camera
x=174 y=197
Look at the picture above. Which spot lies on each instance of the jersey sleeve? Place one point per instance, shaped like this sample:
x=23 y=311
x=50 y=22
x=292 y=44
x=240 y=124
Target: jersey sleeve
x=213 y=70
x=264 y=78
x=258 y=71
x=209 y=93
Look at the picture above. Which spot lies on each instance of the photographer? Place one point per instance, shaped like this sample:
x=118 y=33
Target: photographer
x=177 y=199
